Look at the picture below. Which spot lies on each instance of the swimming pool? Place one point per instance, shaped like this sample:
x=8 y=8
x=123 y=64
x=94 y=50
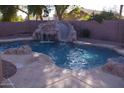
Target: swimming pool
x=68 y=55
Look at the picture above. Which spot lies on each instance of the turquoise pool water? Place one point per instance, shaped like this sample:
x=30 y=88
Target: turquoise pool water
x=68 y=55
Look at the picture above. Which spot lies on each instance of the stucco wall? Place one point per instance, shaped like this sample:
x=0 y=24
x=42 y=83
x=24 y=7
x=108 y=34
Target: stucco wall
x=1 y=71
x=108 y=30
x=7 y=28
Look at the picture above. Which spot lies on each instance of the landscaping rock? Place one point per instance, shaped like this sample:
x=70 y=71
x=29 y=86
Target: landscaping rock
x=19 y=51
x=115 y=66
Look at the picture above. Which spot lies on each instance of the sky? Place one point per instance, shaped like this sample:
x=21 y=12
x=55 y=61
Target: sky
x=95 y=5
x=100 y=4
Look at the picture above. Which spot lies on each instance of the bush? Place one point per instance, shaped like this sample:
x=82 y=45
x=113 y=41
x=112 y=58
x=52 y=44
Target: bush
x=98 y=18
x=104 y=15
x=85 y=33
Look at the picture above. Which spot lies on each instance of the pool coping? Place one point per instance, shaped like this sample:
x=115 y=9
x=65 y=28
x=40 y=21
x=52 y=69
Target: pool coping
x=16 y=39
x=114 y=47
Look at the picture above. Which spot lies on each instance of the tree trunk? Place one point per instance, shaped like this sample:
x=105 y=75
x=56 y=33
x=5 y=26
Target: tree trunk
x=60 y=17
x=41 y=18
x=36 y=17
x=28 y=17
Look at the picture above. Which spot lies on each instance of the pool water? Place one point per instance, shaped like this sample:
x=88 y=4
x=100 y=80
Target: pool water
x=68 y=55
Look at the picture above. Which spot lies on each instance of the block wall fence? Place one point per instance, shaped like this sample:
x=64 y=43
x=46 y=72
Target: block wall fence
x=112 y=30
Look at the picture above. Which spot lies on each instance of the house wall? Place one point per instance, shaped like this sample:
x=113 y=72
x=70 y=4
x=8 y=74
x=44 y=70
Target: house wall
x=108 y=30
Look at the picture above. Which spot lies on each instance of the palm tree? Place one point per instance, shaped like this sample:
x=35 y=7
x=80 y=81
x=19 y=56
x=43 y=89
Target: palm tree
x=37 y=10
x=60 y=9
x=8 y=12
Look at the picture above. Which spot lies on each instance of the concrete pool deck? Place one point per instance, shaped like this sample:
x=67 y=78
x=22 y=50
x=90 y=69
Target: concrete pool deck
x=40 y=72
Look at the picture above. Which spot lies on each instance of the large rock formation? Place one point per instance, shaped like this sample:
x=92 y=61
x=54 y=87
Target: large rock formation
x=19 y=51
x=55 y=31
x=115 y=66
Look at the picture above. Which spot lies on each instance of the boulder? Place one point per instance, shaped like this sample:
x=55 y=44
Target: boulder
x=10 y=51
x=19 y=51
x=27 y=49
x=115 y=66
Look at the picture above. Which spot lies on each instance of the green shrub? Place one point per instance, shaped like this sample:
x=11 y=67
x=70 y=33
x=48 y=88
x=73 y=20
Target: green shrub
x=98 y=18
x=104 y=15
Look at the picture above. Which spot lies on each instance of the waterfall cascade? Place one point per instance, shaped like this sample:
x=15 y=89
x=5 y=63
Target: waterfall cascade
x=55 y=31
